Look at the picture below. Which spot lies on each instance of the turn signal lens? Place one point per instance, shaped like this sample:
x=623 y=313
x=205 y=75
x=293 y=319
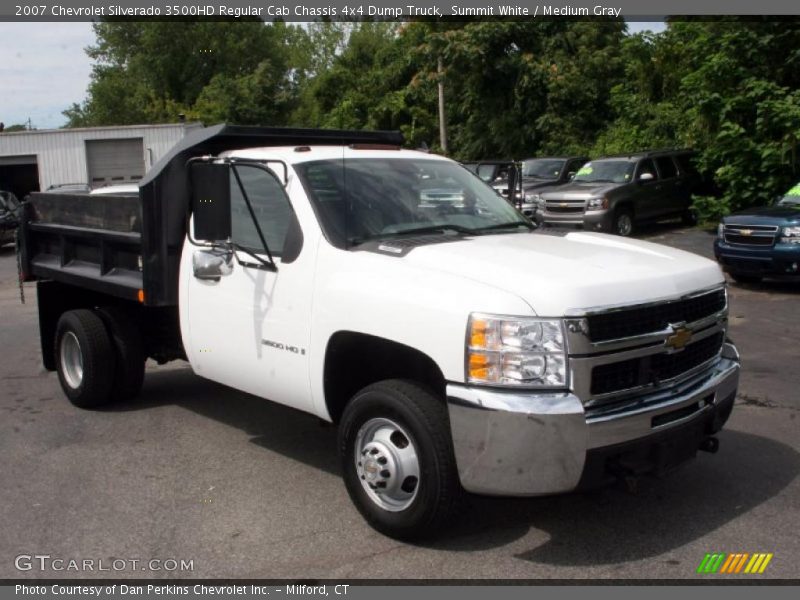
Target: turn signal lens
x=478 y=366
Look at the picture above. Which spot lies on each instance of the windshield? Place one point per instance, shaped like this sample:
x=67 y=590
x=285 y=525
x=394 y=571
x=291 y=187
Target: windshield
x=542 y=168
x=365 y=199
x=611 y=171
x=792 y=197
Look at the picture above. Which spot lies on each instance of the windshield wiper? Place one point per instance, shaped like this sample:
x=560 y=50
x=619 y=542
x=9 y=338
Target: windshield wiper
x=505 y=226
x=428 y=229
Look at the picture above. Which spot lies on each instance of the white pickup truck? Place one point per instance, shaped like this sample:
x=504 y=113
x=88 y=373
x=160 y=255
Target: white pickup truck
x=455 y=347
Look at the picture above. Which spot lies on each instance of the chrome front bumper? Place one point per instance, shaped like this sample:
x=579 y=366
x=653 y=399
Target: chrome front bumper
x=511 y=443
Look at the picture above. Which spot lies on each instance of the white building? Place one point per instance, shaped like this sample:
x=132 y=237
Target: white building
x=97 y=156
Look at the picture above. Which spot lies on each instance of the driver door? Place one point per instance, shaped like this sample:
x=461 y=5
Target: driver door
x=249 y=329
x=649 y=194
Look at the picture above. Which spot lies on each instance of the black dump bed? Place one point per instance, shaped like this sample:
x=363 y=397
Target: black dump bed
x=130 y=246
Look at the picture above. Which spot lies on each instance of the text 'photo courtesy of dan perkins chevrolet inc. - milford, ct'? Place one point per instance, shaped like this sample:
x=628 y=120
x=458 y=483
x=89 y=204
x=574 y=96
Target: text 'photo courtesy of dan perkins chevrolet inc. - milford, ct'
x=345 y=10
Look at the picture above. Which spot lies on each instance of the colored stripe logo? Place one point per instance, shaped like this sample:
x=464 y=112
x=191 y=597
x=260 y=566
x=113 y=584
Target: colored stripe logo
x=734 y=563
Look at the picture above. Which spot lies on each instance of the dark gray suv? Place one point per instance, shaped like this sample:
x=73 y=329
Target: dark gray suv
x=616 y=193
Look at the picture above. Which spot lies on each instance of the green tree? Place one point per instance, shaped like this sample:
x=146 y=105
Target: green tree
x=516 y=88
x=151 y=71
x=743 y=106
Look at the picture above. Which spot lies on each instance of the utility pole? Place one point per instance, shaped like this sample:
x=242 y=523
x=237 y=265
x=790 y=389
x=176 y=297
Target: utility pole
x=442 y=117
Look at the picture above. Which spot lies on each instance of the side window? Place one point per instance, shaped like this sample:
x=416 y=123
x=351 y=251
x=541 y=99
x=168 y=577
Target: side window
x=574 y=166
x=486 y=172
x=666 y=167
x=270 y=205
x=686 y=165
x=647 y=166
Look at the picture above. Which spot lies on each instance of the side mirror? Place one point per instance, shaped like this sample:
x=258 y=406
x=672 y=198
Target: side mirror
x=645 y=177
x=571 y=175
x=212 y=264
x=211 y=201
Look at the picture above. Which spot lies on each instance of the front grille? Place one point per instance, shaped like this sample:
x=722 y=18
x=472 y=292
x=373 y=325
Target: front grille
x=637 y=372
x=649 y=319
x=750 y=235
x=564 y=207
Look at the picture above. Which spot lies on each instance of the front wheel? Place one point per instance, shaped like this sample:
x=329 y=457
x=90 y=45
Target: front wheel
x=689 y=217
x=397 y=459
x=623 y=222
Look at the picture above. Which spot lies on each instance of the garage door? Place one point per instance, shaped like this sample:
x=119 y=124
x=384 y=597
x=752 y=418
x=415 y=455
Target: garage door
x=19 y=174
x=114 y=161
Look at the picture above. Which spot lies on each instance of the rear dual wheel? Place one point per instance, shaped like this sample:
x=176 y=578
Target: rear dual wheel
x=99 y=356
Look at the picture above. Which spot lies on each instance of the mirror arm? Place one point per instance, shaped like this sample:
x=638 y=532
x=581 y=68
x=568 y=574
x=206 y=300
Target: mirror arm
x=271 y=266
x=255 y=221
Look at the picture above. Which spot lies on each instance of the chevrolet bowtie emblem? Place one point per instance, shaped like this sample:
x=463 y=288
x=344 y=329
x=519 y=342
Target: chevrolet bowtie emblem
x=564 y=204
x=746 y=231
x=679 y=338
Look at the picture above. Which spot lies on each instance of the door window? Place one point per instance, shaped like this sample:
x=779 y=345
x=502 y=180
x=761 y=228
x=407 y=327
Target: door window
x=270 y=205
x=666 y=167
x=574 y=166
x=647 y=166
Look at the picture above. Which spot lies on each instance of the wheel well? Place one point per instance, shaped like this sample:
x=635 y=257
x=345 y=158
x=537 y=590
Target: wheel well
x=356 y=360
x=624 y=207
x=159 y=325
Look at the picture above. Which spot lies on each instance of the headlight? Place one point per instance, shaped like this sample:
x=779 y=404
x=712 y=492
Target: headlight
x=598 y=204
x=516 y=352
x=791 y=235
x=721 y=230
x=534 y=198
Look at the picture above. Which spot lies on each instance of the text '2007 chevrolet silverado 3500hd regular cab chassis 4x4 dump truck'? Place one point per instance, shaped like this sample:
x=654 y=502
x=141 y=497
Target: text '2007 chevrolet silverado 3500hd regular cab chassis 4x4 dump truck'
x=456 y=349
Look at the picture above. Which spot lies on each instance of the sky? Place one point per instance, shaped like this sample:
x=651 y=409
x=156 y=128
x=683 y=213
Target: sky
x=44 y=69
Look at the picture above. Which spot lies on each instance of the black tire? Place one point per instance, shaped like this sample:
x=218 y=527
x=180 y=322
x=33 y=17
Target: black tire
x=623 y=222
x=743 y=278
x=689 y=218
x=423 y=416
x=96 y=354
x=129 y=350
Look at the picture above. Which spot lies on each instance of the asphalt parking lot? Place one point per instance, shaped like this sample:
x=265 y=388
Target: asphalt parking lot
x=246 y=488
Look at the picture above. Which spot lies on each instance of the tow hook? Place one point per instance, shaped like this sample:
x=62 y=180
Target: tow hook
x=710 y=445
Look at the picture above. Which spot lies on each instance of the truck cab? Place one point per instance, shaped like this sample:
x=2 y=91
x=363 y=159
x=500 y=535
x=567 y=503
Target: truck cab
x=456 y=350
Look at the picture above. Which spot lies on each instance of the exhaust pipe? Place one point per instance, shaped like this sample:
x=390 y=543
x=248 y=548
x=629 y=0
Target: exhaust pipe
x=710 y=445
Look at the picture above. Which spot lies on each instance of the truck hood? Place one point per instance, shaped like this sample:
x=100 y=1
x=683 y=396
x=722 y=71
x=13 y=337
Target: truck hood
x=579 y=191
x=539 y=184
x=580 y=270
x=765 y=215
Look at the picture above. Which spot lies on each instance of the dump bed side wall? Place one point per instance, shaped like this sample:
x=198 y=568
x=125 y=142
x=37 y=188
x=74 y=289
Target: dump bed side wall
x=92 y=242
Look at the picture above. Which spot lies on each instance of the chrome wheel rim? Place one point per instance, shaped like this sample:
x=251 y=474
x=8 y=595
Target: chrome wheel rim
x=71 y=360
x=387 y=464
x=624 y=224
